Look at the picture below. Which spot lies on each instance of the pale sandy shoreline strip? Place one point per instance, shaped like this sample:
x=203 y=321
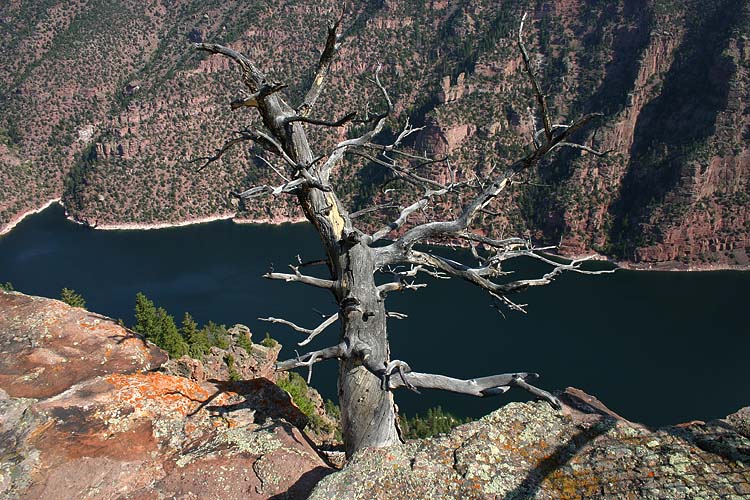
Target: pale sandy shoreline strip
x=17 y=220
x=275 y=222
x=134 y=226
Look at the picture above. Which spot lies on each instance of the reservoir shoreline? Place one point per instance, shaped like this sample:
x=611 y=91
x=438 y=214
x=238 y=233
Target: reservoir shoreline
x=137 y=226
x=609 y=335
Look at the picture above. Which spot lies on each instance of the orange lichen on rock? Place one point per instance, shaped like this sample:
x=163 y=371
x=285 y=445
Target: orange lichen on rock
x=50 y=346
x=142 y=390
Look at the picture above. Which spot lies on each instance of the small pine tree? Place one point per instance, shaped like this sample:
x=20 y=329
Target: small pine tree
x=435 y=422
x=145 y=317
x=234 y=375
x=73 y=299
x=169 y=337
x=197 y=339
x=244 y=342
x=217 y=335
x=188 y=328
x=268 y=341
x=199 y=344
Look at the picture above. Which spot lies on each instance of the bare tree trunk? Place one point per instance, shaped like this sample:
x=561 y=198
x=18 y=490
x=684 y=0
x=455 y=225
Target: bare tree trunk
x=368 y=416
x=367 y=375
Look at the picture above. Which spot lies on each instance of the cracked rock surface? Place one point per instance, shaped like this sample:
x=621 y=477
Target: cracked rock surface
x=530 y=451
x=93 y=422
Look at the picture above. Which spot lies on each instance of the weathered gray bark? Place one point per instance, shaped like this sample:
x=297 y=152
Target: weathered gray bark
x=367 y=375
x=367 y=411
x=368 y=416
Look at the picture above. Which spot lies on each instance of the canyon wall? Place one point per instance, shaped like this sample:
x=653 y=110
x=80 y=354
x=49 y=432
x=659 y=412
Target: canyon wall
x=106 y=104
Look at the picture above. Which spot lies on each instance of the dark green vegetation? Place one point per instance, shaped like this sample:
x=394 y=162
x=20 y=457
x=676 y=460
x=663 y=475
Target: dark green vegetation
x=72 y=298
x=435 y=421
x=268 y=341
x=7 y=286
x=299 y=391
x=156 y=325
x=234 y=376
x=105 y=104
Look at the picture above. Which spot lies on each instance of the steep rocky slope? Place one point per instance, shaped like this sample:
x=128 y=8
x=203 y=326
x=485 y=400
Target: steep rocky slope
x=529 y=451
x=105 y=104
x=81 y=417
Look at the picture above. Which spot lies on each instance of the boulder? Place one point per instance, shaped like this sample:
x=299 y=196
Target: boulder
x=260 y=362
x=185 y=367
x=530 y=451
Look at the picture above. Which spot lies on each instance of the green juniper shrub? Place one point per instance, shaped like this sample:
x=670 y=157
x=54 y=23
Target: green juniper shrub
x=244 y=342
x=217 y=335
x=72 y=298
x=436 y=421
x=298 y=389
x=234 y=375
x=268 y=341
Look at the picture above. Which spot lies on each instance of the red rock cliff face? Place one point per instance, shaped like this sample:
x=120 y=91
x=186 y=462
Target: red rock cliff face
x=108 y=115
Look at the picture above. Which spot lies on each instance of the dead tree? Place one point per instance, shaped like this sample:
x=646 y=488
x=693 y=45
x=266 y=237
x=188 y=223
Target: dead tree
x=354 y=257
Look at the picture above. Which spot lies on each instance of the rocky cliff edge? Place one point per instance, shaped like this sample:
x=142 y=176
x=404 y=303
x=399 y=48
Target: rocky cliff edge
x=530 y=451
x=82 y=415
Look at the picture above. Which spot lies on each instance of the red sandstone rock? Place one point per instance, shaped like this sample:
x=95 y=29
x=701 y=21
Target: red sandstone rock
x=102 y=427
x=47 y=346
x=159 y=436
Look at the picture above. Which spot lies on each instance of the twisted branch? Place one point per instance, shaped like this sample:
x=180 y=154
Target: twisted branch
x=301 y=278
x=309 y=359
x=311 y=333
x=480 y=387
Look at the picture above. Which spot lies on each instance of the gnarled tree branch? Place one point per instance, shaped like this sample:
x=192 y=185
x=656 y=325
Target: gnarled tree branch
x=399 y=374
x=301 y=278
x=309 y=359
x=326 y=58
x=253 y=100
x=311 y=333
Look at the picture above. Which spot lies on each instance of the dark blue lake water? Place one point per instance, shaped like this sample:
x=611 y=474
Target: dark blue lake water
x=656 y=347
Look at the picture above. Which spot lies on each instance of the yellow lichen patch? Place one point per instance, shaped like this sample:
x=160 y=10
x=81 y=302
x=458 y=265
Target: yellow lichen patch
x=144 y=391
x=337 y=222
x=569 y=484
